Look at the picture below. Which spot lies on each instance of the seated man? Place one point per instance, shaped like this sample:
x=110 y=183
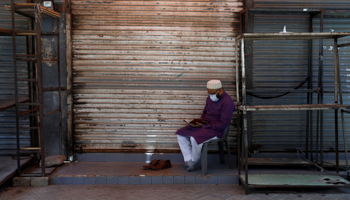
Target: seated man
x=217 y=112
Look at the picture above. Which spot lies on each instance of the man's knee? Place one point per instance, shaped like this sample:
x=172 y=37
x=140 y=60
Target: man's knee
x=182 y=139
x=193 y=141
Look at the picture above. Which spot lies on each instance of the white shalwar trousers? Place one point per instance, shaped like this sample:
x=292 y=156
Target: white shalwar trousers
x=191 y=151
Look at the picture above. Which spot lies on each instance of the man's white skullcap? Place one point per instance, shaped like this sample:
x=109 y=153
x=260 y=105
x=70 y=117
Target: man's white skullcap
x=214 y=84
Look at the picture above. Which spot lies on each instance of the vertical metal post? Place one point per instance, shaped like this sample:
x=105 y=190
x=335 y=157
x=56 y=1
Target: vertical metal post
x=336 y=75
x=15 y=83
x=244 y=102
x=319 y=127
x=30 y=45
x=248 y=50
x=336 y=141
x=309 y=95
x=246 y=21
x=59 y=83
x=321 y=88
x=239 y=157
x=238 y=113
x=244 y=92
x=336 y=70
x=237 y=72
x=69 y=81
x=241 y=22
x=342 y=113
x=317 y=130
x=245 y=140
x=41 y=98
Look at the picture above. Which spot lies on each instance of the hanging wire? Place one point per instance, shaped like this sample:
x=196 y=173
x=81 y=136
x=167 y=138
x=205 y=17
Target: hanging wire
x=281 y=95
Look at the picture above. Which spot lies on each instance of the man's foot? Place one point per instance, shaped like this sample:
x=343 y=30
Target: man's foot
x=190 y=168
x=189 y=163
x=193 y=167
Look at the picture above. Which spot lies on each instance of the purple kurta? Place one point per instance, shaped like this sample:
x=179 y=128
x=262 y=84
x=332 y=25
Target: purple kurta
x=218 y=114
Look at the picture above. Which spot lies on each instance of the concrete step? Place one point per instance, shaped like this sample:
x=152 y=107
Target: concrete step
x=125 y=173
x=132 y=173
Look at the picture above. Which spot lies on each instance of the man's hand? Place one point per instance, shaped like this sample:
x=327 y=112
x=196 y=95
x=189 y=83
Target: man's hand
x=197 y=125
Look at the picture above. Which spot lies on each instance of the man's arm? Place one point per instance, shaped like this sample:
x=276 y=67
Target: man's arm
x=198 y=125
x=225 y=117
x=204 y=110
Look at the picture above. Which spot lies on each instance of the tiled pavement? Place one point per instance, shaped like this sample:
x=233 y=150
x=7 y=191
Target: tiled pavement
x=131 y=173
x=155 y=192
x=125 y=179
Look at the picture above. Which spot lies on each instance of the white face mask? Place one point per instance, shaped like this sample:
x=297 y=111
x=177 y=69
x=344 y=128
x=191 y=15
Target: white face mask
x=214 y=98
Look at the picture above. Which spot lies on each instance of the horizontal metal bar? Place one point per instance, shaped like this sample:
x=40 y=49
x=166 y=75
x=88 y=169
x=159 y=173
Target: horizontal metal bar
x=281 y=90
x=28 y=111
x=294 y=107
x=30 y=148
x=30 y=115
x=50 y=59
x=9 y=103
x=26 y=60
x=281 y=10
x=5 y=32
x=25 y=34
x=329 y=91
x=287 y=162
x=54 y=89
x=294 y=36
x=346 y=111
x=35 y=80
x=29 y=104
x=52 y=112
x=292 y=91
x=50 y=34
x=25 y=31
x=344 y=45
x=29 y=127
x=29 y=55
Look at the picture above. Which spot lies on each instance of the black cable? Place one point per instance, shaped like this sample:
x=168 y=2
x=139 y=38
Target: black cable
x=281 y=95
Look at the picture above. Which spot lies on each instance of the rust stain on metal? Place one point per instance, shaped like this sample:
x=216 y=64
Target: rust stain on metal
x=47 y=50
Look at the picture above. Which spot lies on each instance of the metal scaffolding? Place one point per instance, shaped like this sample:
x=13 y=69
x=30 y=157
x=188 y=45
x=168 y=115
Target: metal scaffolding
x=34 y=102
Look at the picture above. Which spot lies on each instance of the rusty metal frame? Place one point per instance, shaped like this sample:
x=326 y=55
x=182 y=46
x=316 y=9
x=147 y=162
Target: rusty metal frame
x=16 y=83
x=69 y=61
x=342 y=111
x=243 y=107
x=243 y=155
x=39 y=83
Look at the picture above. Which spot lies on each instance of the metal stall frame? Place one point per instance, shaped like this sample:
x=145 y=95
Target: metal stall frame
x=244 y=24
x=33 y=11
x=341 y=14
x=268 y=180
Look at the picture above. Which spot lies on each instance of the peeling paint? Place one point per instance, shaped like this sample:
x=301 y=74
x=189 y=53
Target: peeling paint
x=47 y=50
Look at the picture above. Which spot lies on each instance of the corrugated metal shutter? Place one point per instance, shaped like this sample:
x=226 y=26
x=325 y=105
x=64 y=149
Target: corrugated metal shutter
x=7 y=91
x=338 y=25
x=141 y=67
x=283 y=64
